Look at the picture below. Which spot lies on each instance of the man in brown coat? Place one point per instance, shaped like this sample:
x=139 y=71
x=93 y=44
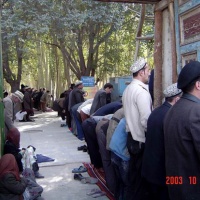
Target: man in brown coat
x=28 y=103
x=182 y=138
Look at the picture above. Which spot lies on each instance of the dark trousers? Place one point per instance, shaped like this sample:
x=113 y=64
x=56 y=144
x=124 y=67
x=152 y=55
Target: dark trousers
x=137 y=186
x=77 y=129
x=89 y=126
x=101 y=131
x=121 y=171
x=68 y=118
x=157 y=192
x=29 y=112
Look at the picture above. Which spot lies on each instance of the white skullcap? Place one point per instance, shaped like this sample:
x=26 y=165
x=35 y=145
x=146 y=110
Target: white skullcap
x=138 y=65
x=172 y=90
x=78 y=83
x=19 y=95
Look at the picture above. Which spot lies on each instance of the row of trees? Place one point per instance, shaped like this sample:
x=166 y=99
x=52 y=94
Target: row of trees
x=49 y=43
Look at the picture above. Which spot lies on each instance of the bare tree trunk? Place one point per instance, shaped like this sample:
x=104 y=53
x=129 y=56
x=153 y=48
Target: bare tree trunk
x=66 y=72
x=139 y=31
x=40 y=67
x=10 y=77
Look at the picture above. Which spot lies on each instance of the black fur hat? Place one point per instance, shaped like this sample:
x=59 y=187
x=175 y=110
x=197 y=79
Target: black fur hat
x=189 y=73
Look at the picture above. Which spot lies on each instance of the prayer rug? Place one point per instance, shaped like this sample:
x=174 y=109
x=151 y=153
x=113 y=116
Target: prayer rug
x=41 y=158
x=96 y=173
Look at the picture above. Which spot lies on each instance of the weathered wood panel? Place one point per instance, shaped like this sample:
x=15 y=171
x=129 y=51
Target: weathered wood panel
x=132 y=1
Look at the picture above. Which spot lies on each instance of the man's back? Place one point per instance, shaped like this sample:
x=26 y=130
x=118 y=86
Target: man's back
x=137 y=108
x=75 y=97
x=99 y=101
x=182 y=150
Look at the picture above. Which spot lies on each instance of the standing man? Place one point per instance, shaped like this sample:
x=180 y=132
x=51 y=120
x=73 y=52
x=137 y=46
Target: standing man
x=100 y=98
x=76 y=98
x=76 y=95
x=182 y=137
x=137 y=106
x=66 y=104
x=44 y=100
x=9 y=104
x=28 y=103
x=153 y=166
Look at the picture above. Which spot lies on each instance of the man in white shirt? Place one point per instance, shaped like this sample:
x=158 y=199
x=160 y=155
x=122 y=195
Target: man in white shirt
x=137 y=104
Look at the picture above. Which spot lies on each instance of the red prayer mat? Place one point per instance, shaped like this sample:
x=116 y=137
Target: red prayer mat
x=96 y=173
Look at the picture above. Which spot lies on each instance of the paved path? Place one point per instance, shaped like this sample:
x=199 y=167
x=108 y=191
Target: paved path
x=60 y=144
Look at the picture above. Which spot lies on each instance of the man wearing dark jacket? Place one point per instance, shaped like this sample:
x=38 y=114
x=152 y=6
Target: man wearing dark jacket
x=100 y=98
x=182 y=137
x=153 y=166
x=76 y=95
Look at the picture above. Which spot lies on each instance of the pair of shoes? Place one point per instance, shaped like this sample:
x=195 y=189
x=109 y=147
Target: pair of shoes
x=62 y=125
x=96 y=193
x=89 y=180
x=78 y=177
x=81 y=148
x=22 y=120
x=30 y=120
x=85 y=149
x=81 y=169
x=38 y=175
x=85 y=180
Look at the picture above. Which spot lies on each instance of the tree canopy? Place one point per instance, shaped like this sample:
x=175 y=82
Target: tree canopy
x=48 y=43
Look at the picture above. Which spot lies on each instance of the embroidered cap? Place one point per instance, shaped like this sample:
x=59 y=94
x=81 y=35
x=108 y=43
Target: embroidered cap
x=78 y=83
x=188 y=74
x=138 y=65
x=19 y=95
x=172 y=90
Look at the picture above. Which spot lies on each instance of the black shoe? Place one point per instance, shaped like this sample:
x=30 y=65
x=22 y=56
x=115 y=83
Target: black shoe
x=30 y=120
x=38 y=175
x=85 y=149
x=82 y=147
x=78 y=177
x=22 y=120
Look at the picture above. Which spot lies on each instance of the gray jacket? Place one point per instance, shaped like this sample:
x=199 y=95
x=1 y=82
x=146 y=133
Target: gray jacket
x=8 y=113
x=10 y=188
x=117 y=116
x=99 y=101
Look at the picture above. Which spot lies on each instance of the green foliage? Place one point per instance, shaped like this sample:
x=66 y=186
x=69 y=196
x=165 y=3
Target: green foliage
x=82 y=29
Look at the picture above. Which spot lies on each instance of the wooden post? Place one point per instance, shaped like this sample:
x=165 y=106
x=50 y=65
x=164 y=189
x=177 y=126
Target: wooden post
x=173 y=43
x=158 y=59
x=2 y=133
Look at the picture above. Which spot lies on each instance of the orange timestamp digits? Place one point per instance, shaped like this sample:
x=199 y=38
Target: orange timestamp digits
x=174 y=180
x=178 y=180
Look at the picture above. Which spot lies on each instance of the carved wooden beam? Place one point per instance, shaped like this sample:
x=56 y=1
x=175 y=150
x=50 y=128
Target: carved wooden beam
x=132 y=1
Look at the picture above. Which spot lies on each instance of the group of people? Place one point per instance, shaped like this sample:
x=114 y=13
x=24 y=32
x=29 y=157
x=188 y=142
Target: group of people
x=18 y=166
x=35 y=99
x=73 y=107
x=146 y=153
x=18 y=170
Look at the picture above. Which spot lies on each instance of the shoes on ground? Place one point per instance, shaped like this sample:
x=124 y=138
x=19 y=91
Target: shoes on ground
x=22 y=120
x=81 y=169
x=78 y=177
x=89 y=180
x=38 y=175
x=96 y=193
x=62 y=125
x=30 y=120
x=85 y=180
x=81 y=148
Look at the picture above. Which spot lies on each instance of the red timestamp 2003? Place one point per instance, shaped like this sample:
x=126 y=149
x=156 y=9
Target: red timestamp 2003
x=178 y=180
